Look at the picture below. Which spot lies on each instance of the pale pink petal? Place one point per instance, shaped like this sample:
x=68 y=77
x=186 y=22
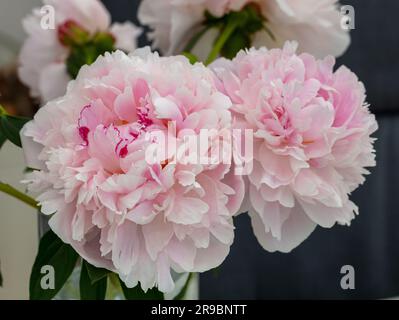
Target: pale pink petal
x=293 y=232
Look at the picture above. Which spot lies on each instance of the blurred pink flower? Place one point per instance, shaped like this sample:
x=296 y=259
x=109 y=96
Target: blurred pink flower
x=118 y=211
x=42 y=58
x=312 y=142
x=315 y=24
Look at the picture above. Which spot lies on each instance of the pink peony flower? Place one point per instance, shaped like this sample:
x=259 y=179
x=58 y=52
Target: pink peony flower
x=143 y=221
x=315 y=24
x=312 y=140
x=42 y=58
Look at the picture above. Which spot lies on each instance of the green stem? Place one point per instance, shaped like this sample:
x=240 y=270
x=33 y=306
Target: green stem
x=3 y=112
x=183 y=291
x=221 y=41
x=190 y=46
x=7 y=189
x=269 y=32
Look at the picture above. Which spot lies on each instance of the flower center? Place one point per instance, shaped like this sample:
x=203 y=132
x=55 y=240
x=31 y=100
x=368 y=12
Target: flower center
x=94 y=116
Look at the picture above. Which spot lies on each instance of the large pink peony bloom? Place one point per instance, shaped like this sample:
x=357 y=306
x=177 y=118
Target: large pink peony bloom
x=312 y=140
x=315 y=24
x=116 y=209
x=42 y=58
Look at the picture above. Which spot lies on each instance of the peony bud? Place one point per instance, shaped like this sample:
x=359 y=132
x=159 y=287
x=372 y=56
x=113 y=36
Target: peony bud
x=71 y=34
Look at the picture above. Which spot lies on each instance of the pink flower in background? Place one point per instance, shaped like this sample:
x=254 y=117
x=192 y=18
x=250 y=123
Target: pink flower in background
x=42 y=58
x=312 y=140
x=119 y=212
x=315 y=24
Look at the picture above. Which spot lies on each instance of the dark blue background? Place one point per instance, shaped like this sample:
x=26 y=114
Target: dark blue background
x=371 y=244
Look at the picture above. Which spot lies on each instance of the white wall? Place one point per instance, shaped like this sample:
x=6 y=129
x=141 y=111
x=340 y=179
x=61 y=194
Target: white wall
x=18 y=229
x=18 y=223
x=11 y=13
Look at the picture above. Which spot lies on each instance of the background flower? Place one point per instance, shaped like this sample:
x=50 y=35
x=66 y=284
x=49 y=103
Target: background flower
x=118 y=211
x=312 y=140
x=43 y=57
x=315 y=24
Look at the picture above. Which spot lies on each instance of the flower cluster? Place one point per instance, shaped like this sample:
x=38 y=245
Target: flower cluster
x=315 y=24
x=107 y=112
x=148 y=221
x=43 y=58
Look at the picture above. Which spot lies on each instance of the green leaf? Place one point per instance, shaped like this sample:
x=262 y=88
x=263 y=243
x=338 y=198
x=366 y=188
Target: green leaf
x=191 y=57
x=10 y=127
x=254 y=19
x=237 y=42
x=104 y=42
x=96 y=274
x=114 y=287
x=137 y=293
x=87 y=53
x=79 y=57
x=88 y=289
x=236 y=30
x=29 y=170
x=52 y=252
x=211 y=20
